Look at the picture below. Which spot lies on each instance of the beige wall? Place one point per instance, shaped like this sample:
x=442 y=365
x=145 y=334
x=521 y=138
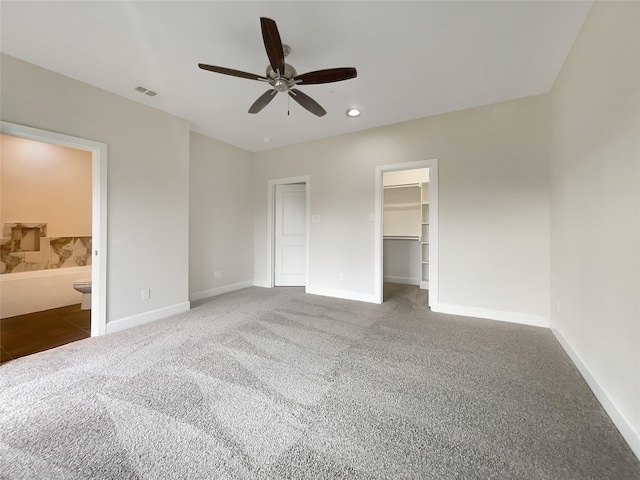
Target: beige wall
x=148 y=179
x=595 y=202
x=494 y=203
x=221 y=215
x=45 y=183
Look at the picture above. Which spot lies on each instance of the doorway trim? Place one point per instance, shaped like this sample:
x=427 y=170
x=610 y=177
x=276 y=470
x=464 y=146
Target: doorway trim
x=271 y=230
x=98 y=211
x=432 y=165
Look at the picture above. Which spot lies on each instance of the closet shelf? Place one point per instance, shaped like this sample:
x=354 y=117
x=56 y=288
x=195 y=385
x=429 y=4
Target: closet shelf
x=424 y=228
x=402 y=205
x=401 y=237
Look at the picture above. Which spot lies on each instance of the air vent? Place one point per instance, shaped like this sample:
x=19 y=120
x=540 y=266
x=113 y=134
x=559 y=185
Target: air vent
x=146 y=91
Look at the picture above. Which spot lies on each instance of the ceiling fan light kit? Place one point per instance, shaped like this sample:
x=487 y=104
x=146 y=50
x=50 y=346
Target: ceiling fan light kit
x=281 y=76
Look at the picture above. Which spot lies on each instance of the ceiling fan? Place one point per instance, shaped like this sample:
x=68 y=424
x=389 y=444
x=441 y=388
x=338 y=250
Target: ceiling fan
x=283 y=77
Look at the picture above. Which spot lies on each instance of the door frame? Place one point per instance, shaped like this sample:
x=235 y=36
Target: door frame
x=271 y=229
x=432 y=165
x=98 y=211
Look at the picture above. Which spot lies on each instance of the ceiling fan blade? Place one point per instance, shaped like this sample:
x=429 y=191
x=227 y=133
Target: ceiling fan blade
x=272 y=44
x=263 y=101
x=326 y=76
x=307 y=102
x=229 y=71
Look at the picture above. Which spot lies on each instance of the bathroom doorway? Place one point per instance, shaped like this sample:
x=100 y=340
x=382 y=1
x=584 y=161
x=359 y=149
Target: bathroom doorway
x=406 y=246
x=91 y=250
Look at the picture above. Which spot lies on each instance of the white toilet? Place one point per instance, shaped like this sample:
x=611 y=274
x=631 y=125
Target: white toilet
x=84 y=287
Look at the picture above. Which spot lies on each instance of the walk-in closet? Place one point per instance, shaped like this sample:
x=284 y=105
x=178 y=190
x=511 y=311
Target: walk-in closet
x=406 y=227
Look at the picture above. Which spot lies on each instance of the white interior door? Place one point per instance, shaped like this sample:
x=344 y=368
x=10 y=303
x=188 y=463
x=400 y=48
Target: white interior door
x=291 y=235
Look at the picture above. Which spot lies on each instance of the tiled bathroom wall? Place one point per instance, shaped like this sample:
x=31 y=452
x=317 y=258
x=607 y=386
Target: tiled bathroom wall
x=26 y=248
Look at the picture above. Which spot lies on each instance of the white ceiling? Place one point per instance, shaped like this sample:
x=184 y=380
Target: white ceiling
x=414 y=59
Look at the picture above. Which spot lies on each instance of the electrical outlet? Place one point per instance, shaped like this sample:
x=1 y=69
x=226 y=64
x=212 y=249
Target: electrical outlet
x=341 y=276
x=372 y=217
x=146 y=294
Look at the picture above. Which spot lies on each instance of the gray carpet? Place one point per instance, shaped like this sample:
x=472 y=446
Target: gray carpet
x=271 y=384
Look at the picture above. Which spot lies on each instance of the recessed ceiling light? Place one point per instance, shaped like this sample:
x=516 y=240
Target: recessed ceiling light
x=353 y=112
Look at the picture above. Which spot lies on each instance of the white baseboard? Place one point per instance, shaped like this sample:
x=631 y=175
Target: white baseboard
x=628 y=432
x=212 y=292
x=404 y=280
x=502 y=316
x=147 y=317
x=261 y=283
x=344 y=294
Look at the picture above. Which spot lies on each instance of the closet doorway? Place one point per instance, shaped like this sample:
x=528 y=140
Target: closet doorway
x=288 y=232
x=406 y=227
x=290 y=235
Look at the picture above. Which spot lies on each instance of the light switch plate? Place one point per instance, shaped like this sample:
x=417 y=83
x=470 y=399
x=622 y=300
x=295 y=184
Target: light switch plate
x=315 y=218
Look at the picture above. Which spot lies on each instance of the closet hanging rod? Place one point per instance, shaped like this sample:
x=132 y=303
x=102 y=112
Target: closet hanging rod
x=404 y=185
x=401 y=237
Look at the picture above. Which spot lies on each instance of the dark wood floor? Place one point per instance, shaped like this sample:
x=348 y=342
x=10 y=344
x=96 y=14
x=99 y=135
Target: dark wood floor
x=36 y=332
